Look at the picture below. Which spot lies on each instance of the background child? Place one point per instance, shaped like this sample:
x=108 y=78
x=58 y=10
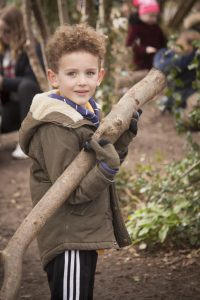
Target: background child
x=18 y=84
x=175 y=61
x=144 y=34
x=59 y=125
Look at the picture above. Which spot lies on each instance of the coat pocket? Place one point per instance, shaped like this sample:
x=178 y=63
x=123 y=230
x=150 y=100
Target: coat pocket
x=80 y=209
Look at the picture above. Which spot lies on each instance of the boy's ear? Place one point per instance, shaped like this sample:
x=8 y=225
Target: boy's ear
x=101 y=76
x=53 y=78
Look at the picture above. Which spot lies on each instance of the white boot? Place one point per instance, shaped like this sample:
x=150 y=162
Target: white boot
x=18 y=153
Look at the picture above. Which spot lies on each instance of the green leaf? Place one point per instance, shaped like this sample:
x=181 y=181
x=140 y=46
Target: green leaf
x=163 y=233
x=143 y=231
x=179 y=206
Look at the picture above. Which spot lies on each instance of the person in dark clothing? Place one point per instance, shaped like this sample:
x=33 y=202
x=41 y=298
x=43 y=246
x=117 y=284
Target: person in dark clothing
x=175 y=61
x=18 y=84
x=144 y=34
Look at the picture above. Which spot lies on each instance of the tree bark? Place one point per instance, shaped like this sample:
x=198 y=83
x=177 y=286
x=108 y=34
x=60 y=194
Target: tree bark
x=91 y=12
x=63 y=12
x=115 y=123
x=104 y=25
x=40 y=19
x=101 y=15
x=184 y=7
x=42 y=26
x=108 y=4
x=30 y=47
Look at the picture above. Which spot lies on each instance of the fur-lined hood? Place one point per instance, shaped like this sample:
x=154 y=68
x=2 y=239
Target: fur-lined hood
x=45 y=109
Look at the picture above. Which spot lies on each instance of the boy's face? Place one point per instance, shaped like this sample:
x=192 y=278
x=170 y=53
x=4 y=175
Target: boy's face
x=77 y=77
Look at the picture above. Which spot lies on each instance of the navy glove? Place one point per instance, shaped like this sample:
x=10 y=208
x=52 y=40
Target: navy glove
x=121 y=145
x=105 y=152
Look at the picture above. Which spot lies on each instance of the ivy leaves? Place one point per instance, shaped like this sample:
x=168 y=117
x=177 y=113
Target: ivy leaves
x=167 y=206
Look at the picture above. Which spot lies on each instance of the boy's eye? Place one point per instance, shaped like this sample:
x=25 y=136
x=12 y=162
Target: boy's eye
x=72 y=74
x=91 y=73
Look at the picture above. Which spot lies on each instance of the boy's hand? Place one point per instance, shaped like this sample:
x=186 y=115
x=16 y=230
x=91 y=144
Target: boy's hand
x=123 y=141
x=105 y=152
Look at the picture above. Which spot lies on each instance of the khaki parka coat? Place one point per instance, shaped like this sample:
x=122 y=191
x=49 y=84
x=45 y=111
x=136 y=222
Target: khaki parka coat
x=52 y=135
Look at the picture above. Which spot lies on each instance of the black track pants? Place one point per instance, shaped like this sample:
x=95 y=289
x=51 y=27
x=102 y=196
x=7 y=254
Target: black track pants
x=71 y=275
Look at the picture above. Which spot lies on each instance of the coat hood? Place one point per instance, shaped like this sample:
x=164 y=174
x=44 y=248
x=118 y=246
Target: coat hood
x=43 y=110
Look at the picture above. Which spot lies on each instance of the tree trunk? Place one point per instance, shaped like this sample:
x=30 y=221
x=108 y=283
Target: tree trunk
x=115 y=123
x=40 y=19
x=108 y=4
x=101 y=15
x=104 y=26
x=91 y=12
x=42 y=26
x=30 y=47
x=63 y=12
x=184 y=7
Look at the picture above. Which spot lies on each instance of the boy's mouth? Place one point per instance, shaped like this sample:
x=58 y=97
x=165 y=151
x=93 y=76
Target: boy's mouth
x=81 y=92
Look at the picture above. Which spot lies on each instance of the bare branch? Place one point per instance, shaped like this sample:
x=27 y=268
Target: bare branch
x=184 y=7
x=91 y=12
x=63 y=12
x=42 y=26
x=101 y=13
x=30 y=46
x=40 y=19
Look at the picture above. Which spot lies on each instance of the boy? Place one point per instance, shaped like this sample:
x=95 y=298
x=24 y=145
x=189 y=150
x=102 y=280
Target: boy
x=59 y=125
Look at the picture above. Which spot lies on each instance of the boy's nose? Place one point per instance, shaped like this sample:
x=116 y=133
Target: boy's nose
x=82 y=80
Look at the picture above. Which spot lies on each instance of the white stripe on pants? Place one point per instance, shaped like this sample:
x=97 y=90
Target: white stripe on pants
x=69 y=284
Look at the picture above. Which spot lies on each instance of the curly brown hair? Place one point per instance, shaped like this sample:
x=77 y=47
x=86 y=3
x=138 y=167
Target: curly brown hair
x=13 y=18
x=68 y=39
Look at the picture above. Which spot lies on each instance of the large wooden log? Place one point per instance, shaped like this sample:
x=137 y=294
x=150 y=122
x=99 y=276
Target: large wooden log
x=115 y=123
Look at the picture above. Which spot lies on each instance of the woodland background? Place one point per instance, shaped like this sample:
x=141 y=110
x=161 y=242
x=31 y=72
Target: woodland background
x=159 y=184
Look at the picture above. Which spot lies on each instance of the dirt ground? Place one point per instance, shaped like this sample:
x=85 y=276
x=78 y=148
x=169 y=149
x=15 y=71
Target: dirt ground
x=126 y=274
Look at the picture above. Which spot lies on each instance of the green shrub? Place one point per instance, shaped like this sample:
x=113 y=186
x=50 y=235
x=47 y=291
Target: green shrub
x=168 y=205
